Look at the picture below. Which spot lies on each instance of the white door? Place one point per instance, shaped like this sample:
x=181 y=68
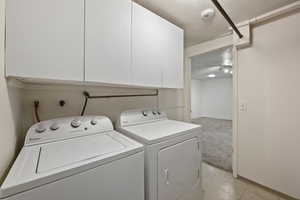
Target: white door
x=269 y=106
x=179 y=170
x=108 y=41
x=45 y=39
x=147 y=53
x=173 y=60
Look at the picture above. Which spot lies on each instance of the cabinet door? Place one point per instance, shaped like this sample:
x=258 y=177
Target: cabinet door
x=108 y=40
x=147 y=54
x=174 y=47
x=179 y=171
x=45 y=39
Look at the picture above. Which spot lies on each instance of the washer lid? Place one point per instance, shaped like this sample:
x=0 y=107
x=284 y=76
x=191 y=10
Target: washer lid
x=72 y=151
x=41 y=164
x=159 y=131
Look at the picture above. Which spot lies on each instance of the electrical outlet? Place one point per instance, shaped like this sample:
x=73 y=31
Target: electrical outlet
x=243 y=107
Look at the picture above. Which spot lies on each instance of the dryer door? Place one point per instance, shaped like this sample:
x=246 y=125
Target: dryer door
x=179 y=171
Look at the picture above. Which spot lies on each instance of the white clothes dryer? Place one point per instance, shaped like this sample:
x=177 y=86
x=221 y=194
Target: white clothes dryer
x=172 y=154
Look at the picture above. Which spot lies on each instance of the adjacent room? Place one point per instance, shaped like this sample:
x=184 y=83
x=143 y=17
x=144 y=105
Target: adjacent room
x=211 y=103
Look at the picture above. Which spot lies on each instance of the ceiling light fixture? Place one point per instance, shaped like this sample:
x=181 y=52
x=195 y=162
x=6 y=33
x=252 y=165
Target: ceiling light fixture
x=211 y=75
x=226 y=70
x=230 y=71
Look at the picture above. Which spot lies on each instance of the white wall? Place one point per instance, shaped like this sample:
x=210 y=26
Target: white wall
x=170 y=100
x=269 y=85
x=212 y=98
x=10 y=109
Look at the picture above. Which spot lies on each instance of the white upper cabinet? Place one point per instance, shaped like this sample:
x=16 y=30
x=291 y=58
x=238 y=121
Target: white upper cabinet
x=157 y=50
x=147 y=54
x=173 y=55
x=108 y=41
x=104 y=41
x=45 y=39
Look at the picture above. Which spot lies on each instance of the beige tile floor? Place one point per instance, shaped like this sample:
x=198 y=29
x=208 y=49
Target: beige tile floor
x=220 y=185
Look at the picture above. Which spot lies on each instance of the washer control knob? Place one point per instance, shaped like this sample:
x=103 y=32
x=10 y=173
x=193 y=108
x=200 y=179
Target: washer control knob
x=94 y=122
x=40 y=128
x=75 y=123
x=54 y=127
x=154 y=112
x=158 y=112
x=144 y=113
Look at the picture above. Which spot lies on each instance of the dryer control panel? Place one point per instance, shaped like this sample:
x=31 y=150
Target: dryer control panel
x=65 y=128
x=134 y=117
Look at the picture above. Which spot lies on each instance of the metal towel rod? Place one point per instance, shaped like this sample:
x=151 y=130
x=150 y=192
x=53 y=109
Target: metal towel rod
x=226 y=16
x=88 y=96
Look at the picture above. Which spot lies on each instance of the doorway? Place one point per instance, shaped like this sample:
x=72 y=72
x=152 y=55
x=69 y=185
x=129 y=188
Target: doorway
x=211 y=104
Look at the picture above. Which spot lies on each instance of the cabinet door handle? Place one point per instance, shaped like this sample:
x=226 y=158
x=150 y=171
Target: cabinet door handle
x=167 y=176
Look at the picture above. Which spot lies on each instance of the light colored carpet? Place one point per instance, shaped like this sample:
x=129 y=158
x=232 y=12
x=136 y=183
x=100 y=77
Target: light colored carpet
x=216 y=141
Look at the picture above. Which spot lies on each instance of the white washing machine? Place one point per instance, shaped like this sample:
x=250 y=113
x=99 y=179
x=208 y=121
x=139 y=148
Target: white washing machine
x=76 y=158
x=172 y=154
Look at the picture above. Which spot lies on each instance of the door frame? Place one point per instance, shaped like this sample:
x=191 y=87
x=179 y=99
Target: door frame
x=205 y=47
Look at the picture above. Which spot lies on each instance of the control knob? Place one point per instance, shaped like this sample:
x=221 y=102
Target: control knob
x=40 y=128
x=54 y=126
x=75 y=123
x=144 y=113
x=94 y=122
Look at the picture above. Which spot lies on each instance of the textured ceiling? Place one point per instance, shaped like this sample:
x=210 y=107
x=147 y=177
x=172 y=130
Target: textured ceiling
x=187 y=15
x=212 y=63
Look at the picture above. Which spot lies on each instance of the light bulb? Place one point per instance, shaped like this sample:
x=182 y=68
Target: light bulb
x=211 y=75
x=226 y=70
